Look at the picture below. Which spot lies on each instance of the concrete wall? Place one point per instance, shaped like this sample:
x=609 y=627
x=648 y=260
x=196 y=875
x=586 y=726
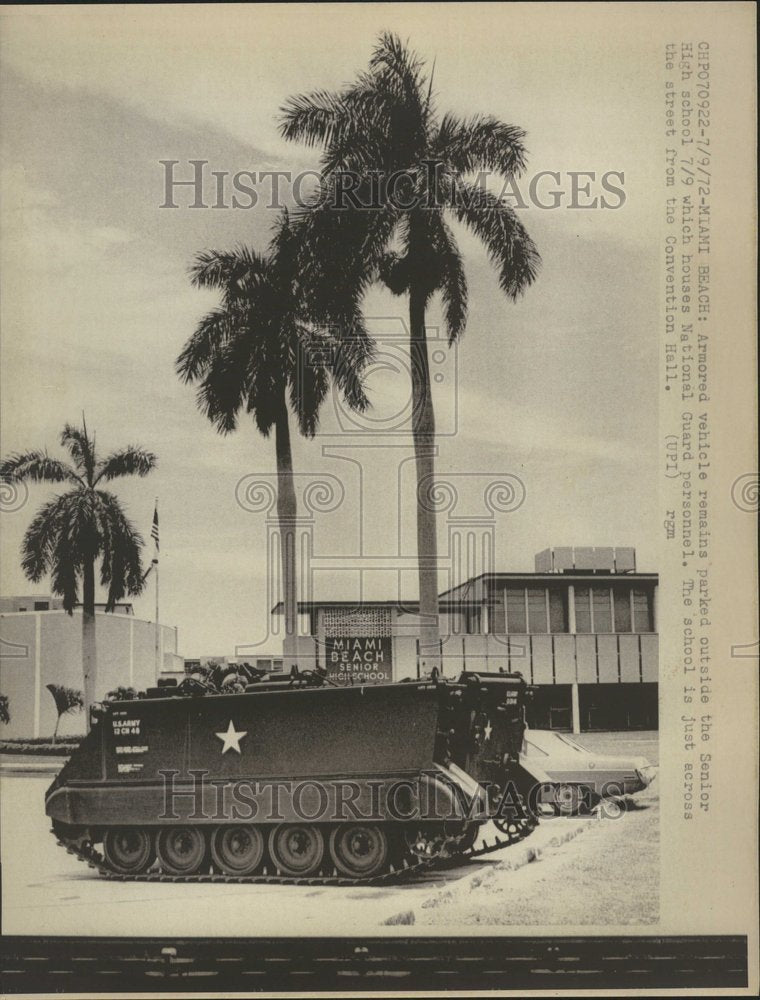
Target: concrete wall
x=44 y=647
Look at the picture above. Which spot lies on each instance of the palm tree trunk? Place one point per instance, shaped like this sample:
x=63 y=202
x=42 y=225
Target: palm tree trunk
x=286 y=514
x=55 y=731
x=423 y=432
x=89 y=642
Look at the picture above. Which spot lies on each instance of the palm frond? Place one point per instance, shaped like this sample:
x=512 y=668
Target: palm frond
x=509 y=246
x=354 y=351
x=65 y=566
x=393 y=59
x=210 y=336
x=121 y=566
x=350 y=126
x=226 y=270
x=452 y=281
x=338 y=259
x=41 y=539
x=227 y=383
x=309 y=382
x=37 y=466
x=66 y=699
x=130 y=461
x=80 y=447
x=480 y=143
x=311 y=118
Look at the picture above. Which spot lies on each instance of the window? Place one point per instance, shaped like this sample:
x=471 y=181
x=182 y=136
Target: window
x=516 y=610
x=42 y=605
x=496 y=621
x=582 y=609
x=473 y=621
x=557 y=610
x=602 y=609
x=537 y=610
x=22 y=609
x=622 y=600
x=642 y=612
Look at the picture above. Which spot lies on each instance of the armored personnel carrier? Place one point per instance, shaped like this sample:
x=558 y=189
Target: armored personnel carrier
x=295 y=780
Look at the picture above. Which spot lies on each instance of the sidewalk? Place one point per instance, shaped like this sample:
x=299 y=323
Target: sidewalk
x=17 y=763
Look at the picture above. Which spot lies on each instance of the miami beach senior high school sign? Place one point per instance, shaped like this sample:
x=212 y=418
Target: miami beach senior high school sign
x=360 y=659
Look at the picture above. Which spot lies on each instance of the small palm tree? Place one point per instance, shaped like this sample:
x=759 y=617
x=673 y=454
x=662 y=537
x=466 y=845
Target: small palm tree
x=5 y=713
x=67 y=701
x=75 y=529
x=395 y=169
x=262 y=355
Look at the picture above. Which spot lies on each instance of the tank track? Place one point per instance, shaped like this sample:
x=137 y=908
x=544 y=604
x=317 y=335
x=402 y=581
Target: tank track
x=510 y=833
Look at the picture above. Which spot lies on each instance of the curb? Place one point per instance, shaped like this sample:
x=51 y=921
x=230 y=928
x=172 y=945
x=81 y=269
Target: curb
x=51 y=766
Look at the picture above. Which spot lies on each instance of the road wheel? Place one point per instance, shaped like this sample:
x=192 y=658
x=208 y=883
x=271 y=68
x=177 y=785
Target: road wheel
x=180 y=849
x=568 y=799
x=359 y=851
x=425 y=842
x=297 y=849
x=237 y=850
x=128 y=850
x=469 y=837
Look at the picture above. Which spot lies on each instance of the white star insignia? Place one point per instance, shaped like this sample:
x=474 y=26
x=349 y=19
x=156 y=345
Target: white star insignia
x=488 y=729
x=231 y=739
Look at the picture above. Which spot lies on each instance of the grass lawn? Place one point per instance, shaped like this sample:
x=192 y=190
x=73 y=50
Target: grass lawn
x=609 y=875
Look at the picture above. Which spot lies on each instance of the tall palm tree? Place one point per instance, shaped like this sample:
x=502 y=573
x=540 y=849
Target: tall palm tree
x=261 y=354
x=393 y=170
x=75 y=529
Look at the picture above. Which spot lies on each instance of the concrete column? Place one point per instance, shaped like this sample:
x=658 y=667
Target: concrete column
x=576 y=708
x=37 y=671
x=131 y=653
x=320 y=653
x=574 y=693
x=571 y=609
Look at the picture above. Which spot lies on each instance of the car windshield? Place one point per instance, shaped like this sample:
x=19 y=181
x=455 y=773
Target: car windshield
x=530 y=747
x=546 y=742
x=570 y=743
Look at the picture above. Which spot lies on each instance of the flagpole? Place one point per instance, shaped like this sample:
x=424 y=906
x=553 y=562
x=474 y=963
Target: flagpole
x=155 y=565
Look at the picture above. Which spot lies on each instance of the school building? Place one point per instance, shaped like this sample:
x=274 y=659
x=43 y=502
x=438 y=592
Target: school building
x=581 y=628
x=41 y=644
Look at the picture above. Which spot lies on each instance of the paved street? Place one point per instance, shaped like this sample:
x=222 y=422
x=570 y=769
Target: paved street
x=47 y=891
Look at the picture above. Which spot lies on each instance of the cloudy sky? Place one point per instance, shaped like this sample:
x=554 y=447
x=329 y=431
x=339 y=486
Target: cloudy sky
x=558 y=390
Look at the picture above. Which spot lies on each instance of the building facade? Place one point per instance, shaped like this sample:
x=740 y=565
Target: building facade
x=271 y=663
x=582 y=629
x=43 y=645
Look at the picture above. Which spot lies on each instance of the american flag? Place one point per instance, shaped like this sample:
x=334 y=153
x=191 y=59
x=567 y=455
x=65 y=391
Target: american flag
x=154 y=529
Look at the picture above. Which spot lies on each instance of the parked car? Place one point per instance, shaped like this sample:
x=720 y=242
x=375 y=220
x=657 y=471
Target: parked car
x=574 y=778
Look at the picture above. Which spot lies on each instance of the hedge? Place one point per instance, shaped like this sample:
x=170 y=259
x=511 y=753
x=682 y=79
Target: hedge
x=41 y=746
